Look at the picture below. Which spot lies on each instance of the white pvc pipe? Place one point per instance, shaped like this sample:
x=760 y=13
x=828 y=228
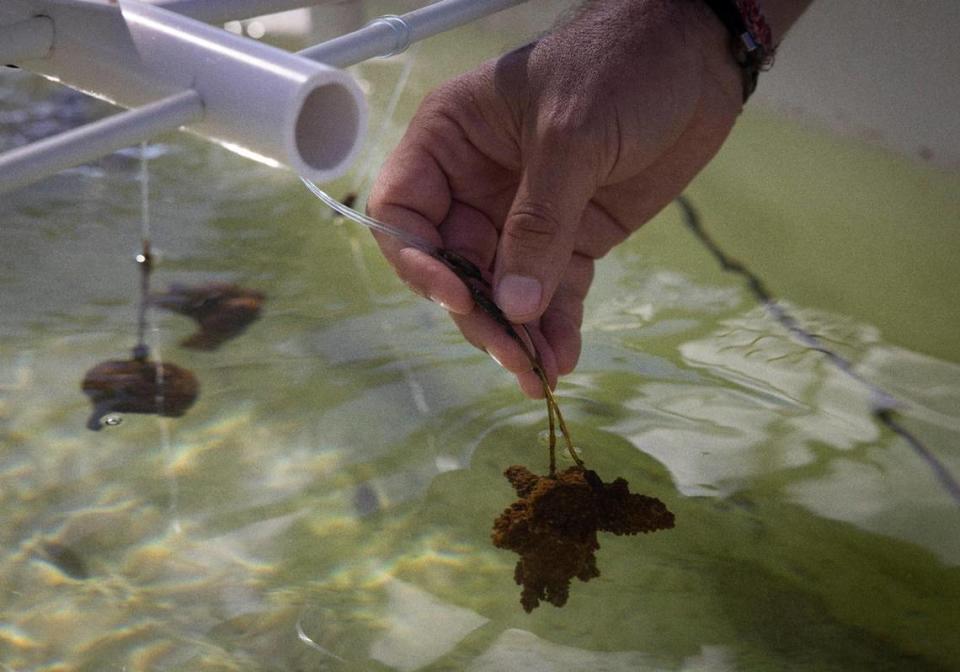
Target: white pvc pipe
x=221 y=11
x=31 y=38
x=39 y=159
x=268 y=102
x=389 y=35
x=275 y=105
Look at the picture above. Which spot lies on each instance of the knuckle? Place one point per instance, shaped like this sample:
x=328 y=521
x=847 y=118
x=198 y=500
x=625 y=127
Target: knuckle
x=566 y=118
x=442 y=95
x=561 y=126
x=570 y=136
x=532 y=226
x=450 y=95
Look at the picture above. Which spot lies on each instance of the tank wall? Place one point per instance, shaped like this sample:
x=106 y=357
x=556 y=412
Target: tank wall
x=881 y=70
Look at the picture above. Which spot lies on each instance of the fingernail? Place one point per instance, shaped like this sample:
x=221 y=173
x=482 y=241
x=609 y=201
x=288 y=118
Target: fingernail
x=518 y=295
x=494 y=358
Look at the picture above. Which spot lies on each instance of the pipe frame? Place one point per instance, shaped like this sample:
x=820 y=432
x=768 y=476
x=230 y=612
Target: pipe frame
x=265 y=101
x=165 y=42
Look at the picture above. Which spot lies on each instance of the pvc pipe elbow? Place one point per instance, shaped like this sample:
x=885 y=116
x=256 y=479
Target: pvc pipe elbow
x=275 y=105
x=262 y=101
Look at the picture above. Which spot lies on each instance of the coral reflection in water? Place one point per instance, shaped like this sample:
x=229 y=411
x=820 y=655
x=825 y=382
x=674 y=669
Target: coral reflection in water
x=222 y=311
x=138 y=386
x=67 y=560
x=554 y=524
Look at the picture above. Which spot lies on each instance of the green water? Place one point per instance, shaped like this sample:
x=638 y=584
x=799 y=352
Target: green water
x=341 y=470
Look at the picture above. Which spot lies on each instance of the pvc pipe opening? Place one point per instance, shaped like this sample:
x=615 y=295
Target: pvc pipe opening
x=327 y=129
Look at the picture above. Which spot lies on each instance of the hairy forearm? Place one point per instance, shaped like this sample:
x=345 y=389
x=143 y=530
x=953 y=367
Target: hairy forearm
x=623 y=16
x=603 y=31
x=780 y=14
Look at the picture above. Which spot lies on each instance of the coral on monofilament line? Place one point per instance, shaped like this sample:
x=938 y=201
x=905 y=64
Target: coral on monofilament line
x=553 y=527
x=138 y=385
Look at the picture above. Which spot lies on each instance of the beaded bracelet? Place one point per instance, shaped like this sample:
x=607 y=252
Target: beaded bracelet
x=751 y=38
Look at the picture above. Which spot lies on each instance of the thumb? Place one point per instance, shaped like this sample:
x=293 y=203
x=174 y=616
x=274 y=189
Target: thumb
x=539 y=233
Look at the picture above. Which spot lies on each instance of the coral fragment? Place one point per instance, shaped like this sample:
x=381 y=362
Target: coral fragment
x=138 y=386
x=553 y=527
x=221 y=310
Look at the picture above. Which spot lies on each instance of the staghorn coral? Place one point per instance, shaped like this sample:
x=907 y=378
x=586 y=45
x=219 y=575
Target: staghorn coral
x=553 y=527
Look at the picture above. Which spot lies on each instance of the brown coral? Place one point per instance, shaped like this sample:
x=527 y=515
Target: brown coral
x=222 y=311
x=553 y=527
x=138 y=386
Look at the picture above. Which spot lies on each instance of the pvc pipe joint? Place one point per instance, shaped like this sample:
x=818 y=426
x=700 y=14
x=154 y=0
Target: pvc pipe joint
x=270 y=102
x=389 y=35
x=276 y=106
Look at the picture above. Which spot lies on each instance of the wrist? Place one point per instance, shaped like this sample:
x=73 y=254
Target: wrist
x=754 y=30
x=713 y=41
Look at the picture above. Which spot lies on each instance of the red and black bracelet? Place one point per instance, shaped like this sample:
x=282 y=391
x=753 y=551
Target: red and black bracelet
x=751 y=38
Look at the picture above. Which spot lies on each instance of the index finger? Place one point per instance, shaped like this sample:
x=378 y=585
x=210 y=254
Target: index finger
x=412 y=193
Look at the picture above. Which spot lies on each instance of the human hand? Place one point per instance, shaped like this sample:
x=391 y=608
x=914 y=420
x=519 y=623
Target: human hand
x=536 y=164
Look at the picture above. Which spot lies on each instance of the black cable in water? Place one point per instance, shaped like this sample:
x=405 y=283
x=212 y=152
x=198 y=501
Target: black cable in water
x=883 y=404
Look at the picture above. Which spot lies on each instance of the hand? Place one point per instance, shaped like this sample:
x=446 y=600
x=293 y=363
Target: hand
x=536 y=164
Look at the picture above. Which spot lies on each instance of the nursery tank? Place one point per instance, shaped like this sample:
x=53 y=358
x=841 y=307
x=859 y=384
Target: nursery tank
x=326 y=501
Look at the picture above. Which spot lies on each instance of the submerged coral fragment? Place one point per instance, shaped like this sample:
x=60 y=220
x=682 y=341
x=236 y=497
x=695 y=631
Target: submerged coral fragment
x=223 y=311
x=553 y=527
x=138 y=386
